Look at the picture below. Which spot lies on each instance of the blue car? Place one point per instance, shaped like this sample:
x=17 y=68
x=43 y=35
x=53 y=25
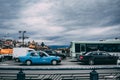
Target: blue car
x=39 y=57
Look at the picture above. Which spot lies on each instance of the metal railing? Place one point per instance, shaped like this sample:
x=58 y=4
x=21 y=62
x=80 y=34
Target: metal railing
x=60 y=73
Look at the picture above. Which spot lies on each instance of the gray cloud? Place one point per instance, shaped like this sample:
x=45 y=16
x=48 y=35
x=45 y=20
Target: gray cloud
x=61 y=21
x=85 y=13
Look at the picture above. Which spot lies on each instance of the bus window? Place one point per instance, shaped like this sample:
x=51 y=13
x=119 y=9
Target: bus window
x=77 y=48
x=82 y=48
x=118 y=48
x=91 y=47
x=109 y=47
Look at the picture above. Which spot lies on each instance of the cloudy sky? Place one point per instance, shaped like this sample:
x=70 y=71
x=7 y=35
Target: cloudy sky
x=60 y=21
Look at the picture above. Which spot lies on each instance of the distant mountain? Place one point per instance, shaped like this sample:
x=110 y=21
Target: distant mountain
x=58 y=46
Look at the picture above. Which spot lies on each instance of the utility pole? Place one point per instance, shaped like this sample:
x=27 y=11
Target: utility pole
x=23 y=37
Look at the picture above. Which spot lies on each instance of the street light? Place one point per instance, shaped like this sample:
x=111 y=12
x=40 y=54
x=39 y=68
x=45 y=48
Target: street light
x=22 y=36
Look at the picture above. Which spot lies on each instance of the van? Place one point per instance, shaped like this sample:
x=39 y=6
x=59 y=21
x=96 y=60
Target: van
x=20 y=51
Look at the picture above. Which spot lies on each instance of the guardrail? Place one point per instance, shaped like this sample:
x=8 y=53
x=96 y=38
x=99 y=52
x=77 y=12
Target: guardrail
x=59 y=73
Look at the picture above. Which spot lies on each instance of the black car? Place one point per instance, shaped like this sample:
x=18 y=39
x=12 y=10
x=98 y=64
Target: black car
x=96 y=57
x=54 y=53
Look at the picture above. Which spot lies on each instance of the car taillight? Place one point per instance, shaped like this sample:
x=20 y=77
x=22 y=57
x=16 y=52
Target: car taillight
x=81 y=57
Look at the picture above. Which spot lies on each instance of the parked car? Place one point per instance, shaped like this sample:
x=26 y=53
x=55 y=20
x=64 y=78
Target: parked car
x=96 y=57
x=39 y=57
x=54 y=53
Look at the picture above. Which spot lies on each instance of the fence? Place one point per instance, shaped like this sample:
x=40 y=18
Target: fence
x=112 y=73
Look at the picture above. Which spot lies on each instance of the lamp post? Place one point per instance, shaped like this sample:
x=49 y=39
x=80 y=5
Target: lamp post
x=23 y=37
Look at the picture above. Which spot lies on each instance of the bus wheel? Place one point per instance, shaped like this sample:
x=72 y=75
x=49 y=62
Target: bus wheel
x=17 y=60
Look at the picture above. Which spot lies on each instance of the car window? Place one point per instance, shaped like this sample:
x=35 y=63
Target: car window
x=29 y=50
x=94 y=53
x=105 y=54
x=48 y=52
x=91 y=53
x=54 y=52
x=33 y=54
x=42 y=54
x=100 y=53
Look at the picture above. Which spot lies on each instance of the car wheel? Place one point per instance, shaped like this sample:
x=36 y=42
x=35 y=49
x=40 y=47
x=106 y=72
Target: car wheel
x=54 y=62
x=118 y=61
x=17 y=60
x=91 y=62
x=28 y=62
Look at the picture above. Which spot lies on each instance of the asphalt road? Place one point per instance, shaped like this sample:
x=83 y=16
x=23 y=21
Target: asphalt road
x=66 y=64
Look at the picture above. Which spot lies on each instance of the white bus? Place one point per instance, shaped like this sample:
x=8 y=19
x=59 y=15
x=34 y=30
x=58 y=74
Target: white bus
x=80 y=47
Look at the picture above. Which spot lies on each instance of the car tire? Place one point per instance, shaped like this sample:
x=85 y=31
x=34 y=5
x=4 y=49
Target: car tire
x=17 y=60
x=118 y=62
x=28 y=62
x=54 y=62
x=91 y=62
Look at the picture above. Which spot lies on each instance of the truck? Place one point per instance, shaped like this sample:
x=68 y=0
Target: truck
x=20 y=51
x=6 y=51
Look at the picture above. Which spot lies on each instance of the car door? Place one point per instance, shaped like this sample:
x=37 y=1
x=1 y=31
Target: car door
x=104 y=57
x=35 y=58
x=96 y=57
x=100 y=57
x=110 y=58
x=44 y=58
